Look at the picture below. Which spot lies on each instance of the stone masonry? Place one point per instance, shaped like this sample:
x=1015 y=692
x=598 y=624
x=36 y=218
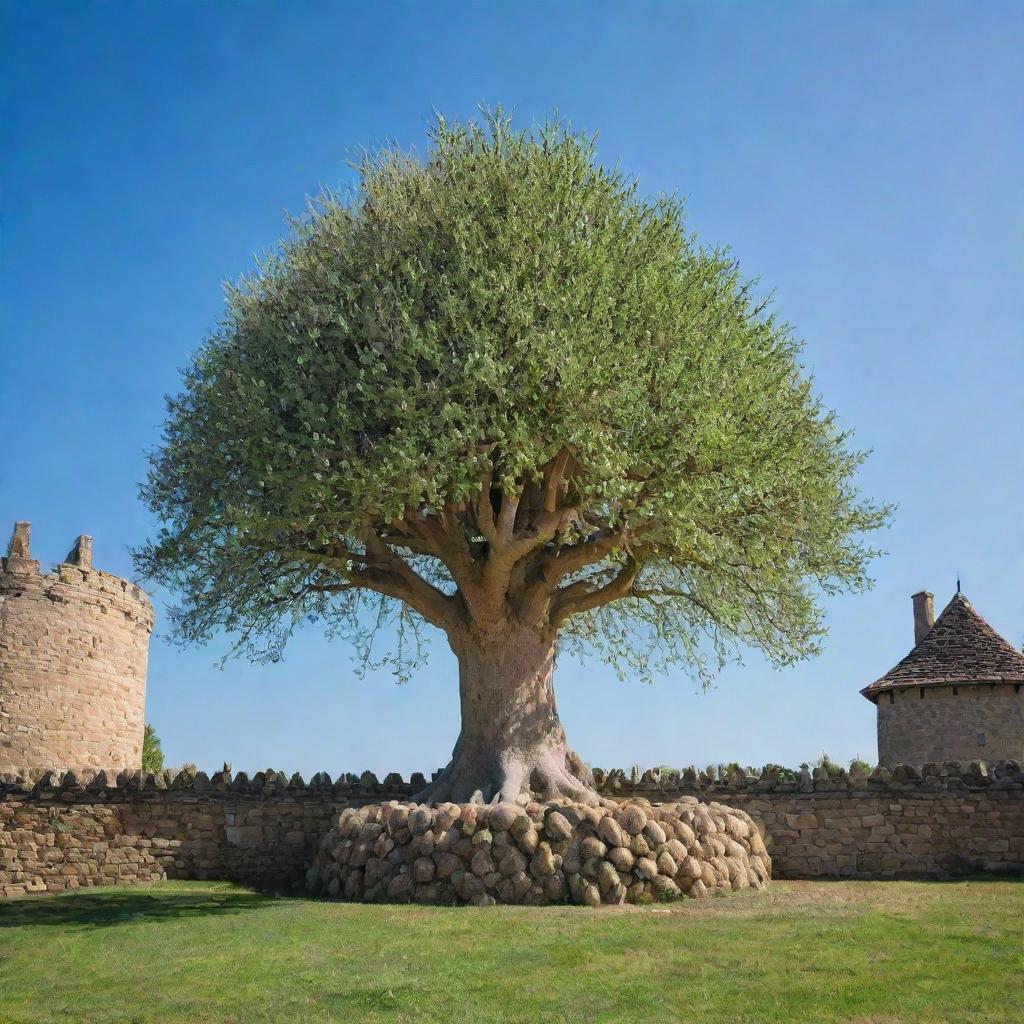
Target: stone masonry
x=938 y=722
x=633 y=850
x=78 y=829
x=73 y=649
x=959 y=693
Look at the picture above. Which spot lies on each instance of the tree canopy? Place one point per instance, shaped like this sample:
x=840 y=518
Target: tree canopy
x=500 y=385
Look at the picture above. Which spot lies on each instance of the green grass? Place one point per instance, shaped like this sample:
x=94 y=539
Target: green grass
x=867 y=952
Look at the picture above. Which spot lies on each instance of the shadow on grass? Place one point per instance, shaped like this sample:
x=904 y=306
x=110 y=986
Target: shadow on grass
x=1001 y=877
x=92 y=909
x=994 y=876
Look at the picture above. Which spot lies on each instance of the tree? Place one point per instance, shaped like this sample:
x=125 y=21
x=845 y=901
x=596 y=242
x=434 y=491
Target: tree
x=152 y=753
x=499 y=392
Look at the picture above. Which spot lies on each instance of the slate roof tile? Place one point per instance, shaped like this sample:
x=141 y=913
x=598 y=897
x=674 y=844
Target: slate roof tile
x=960 y=648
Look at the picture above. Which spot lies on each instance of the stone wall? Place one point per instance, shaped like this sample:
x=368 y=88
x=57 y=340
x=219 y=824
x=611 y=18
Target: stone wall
x=73 y=651
x=57 y=836
x=939 y=820
x=913 y=829
x=65 y=831
x=631 y=851
x=972 y=720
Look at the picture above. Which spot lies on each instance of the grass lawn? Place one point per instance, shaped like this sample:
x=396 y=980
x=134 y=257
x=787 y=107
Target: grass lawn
x=870 y=952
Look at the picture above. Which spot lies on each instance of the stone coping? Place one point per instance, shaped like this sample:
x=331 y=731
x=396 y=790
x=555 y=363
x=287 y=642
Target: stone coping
x=950 y=775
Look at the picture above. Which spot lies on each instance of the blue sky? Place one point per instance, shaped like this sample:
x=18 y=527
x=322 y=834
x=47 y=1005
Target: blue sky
x=865 y=162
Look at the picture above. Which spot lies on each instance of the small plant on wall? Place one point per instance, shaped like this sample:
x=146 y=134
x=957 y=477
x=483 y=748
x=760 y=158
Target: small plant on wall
x=152 y=753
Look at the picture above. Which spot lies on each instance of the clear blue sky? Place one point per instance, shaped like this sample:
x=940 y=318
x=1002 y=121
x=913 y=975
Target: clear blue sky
x=864 y=160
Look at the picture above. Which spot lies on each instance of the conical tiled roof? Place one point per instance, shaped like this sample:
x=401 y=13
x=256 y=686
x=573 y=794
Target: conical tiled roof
x=960 y=648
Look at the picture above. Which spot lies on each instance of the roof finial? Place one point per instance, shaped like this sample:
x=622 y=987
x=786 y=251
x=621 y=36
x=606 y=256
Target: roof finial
x=958 y=582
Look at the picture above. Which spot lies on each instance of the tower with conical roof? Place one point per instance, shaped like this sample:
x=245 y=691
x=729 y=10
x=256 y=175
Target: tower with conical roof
x=957 y=696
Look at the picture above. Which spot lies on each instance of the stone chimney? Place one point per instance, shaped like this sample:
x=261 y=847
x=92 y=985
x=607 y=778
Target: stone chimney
x=924 y=614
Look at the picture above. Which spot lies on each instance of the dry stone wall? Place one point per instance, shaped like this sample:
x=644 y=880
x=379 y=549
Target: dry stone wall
x=559 y=852
x=66 y=833
x=73 y=650
x=62 y=831
x=939 y=820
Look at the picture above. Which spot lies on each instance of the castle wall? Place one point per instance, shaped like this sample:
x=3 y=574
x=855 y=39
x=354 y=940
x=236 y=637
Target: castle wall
x=73 y=651
x=65 y=832
x=939 y=723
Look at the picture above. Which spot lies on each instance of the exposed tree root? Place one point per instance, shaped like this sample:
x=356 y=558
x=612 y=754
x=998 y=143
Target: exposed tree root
x=511 y=747
x=518 y=777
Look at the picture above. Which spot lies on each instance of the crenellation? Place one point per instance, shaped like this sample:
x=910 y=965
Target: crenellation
x=80 y=554
x=19 y=549
x=74 y=645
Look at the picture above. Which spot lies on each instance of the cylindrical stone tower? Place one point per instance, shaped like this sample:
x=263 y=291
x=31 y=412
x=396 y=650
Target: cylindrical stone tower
x=73 y=650
x=957 y=696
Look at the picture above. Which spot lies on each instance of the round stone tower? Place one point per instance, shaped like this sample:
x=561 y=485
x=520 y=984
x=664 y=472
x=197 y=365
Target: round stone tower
x=957 y=696
x=73 y=649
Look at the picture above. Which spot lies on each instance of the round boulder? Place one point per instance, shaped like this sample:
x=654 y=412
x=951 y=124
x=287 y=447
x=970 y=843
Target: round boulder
x=469 y=853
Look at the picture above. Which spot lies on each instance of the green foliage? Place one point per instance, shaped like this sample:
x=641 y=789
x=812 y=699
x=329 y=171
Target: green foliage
x=858 y=763
x=830 y=766
x=152 y=754
x=504 y=321
x=782 y=773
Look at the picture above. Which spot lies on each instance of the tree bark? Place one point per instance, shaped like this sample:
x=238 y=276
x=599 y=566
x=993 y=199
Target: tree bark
x=512 y=745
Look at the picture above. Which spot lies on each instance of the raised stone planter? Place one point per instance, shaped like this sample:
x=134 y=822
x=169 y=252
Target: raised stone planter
x=542 y=853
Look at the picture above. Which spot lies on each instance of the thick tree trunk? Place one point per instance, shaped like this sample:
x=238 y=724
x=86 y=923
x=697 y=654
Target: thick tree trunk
x=512 y=745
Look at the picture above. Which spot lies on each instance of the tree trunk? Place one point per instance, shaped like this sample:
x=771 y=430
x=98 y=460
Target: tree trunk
x=512 y=745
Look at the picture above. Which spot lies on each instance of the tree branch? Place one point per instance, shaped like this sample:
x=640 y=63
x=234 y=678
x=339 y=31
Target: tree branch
x=554 y=474
x=484 y=512
x=550 y=567
x=583 y=595
x=385 y=572
x=399 y=580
